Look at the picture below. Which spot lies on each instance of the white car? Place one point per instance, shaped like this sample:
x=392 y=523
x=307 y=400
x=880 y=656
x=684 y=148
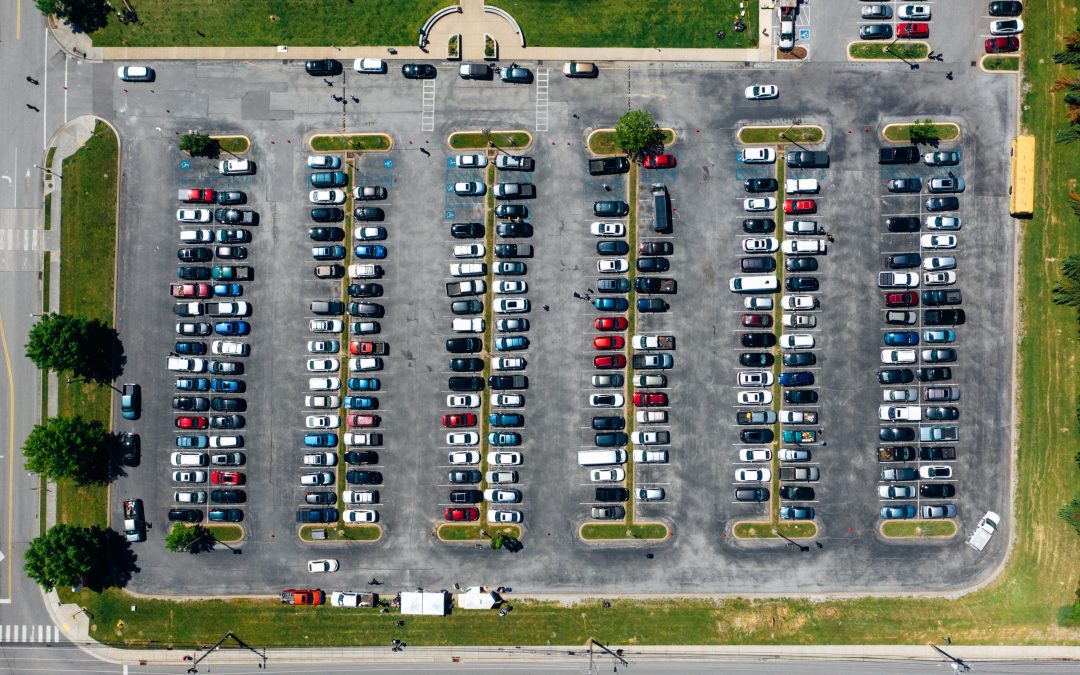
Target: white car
x=758 y=302
x=649 y=437
x=752 y=475
x=506 y=516
x=937 y=471
x=918 y=12
x=229 y=348
x=311 y=401
x=470 y=161
x=507 y=363
x=320 y=459
x=196 y=236
x=322 y=566
x=323 y=365
x=651 y=416
x=475 y=325
x=325 y=325
x=230 y=441
x=327 y=196
x=194 y=215
x=804 y=247
x=757 y=155
x=502 y=286
x=602 y=229
x=323 y=346
x=755 y=378
x=755 y=397
x=758 y=92
x=497 y=496
x=939 y=278
x=317 y=478
x=755 y=455
x=797 y=341
x=365 y=363
x=794 y=455
x=503 y=458
x=324 y=384
x=360 y=496
x=365 y=327
x=135 y=74
x=371 y=233
x=511 y=305
x=463 y=400
x=189 y=476
x=655 y=494
x=892 y=356
x=801 y=227
x=236 y=167
x=325 y=162
x=936 y=263
x=760 y=244
x=1006 y=27
x=463 y=457
x=943 y=223
x=463 y=438
x=651 y=456
x=608 y=475
x=759 y=204
x=360 y=516
x=322 y=421
x=469 y=251
x=896 y=491
x=190 y=496
x=938 y=241
x=899 y=395
x=371 y=66
x=612 y=265
x=899 y=413
x=345 y=599
x=507 y=400
x=607 y=400
x=794 y=303
x=188 y=459
x=470 y=188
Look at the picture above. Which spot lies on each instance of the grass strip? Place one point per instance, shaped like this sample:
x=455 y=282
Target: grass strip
x=767 y=530
x=476 y=140
x=1001 y=63
x=350 y=142
x=918 y=528
x=48 y=212
x=777 y=390
x=454 y=532
x=898 y=50
x=233 y=144
x=631 y=325
x=602 y=142
x=901 y=133
x=340 y=532
x=803 y=134
x=607 y=531
x=49 y=157
x=227 y=534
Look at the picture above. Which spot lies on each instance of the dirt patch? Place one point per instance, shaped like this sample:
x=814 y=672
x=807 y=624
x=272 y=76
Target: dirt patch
x=796 y=54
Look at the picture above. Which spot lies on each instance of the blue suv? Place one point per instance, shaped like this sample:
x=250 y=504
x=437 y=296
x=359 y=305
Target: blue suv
x=320 y=440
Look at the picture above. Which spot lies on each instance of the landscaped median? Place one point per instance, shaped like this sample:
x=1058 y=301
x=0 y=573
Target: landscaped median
x=796 y=529
x=339 y=532
x=602 y=141
x=609 y=531
x=1000 y=64
x=924 y=132
x=232 y=144
x=351 y=142
x=482 y=140
x=472 y=533
x=918 y=529
x=810 y=133
x=895 y=51
x=226 y=534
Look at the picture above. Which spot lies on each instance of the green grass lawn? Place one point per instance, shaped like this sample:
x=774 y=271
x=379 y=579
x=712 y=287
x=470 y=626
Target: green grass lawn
x=624 y=531
x=474 y=140
x=87 y=244
x=1003 y=63
x=342 y=142
x=872 y=50
x=617 y=23
x=226 y=533
x=902 y=132
x=472 y=532
x=603 y=142
x=764 y=530
x=772 y=134
x=233 y=144
x=919 y=528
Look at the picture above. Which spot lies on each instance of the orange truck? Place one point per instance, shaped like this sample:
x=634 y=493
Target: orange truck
x=294 y=596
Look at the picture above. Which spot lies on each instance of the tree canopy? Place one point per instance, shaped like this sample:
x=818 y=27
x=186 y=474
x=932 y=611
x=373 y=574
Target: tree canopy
x=68 y=447
x=198 y=144
x=63 y=556
x=636 y=132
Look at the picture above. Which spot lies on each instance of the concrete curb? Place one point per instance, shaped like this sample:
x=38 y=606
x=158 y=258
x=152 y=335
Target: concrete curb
x=886 y=139
x=891 y=59
x=771 y=525
x=918 y=537
x=1019 y=65
x=738 y=134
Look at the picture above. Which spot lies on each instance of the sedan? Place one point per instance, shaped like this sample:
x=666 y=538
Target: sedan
x=609 y=361
x=616 y=209
x=759 y=204
x=465 y=420
x=419 y=71
x=760 y=185
x=1007 y=27
x=612 y=265
x=904 y=185
x=879 y=31
x=760 y=245
x=616 y=323
x=929 y=511
x=942 y=158
x=942 y=204
x=661 y=161
x=799 y=206
x=194 y=215
x=327 y=196
x=913 y=30
x=898 y=512
x=896 y=491
x=469 y=189
x=759 y=92
x=941 y=184
x=758 y=225
x=752 y=475
x=1006 y=8
x=602 y=229
x=461 y=514
x=1002 y=45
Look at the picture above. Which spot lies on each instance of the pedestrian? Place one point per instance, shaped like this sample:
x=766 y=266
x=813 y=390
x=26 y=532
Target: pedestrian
x=830 y=238
x=546 y=308
x=824 y=443
x=400 y=624
x=31 y=80
x=649 y=556
x=577 y=295
x=948 y=75
x=354 y=99
x=391 y=50
x=765 y=32
x=948 y=641
x=930 y=55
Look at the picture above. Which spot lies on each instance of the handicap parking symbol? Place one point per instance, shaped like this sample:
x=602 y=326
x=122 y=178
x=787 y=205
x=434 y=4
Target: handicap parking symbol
x=185 y=164
x=804 y=33
x=451 y=163
x=388 y=164
x=449 y=215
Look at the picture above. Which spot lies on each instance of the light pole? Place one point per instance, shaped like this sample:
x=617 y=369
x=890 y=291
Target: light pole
x=790 y=542
x=48 y=171
x=888 y=50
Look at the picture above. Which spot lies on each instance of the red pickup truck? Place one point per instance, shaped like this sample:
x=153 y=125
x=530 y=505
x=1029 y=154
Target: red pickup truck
x=293 y=596
x=369 y=348
x=196 y=195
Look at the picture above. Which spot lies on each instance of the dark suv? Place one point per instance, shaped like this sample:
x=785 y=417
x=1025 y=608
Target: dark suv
x=466 y=383
x=612 y=494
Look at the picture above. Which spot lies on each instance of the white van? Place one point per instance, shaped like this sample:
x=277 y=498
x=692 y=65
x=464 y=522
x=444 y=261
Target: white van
x=189 y=459
x=601 y=457
x=758 y=283
x=469 y=325
x=196 y=236
x=803 y=246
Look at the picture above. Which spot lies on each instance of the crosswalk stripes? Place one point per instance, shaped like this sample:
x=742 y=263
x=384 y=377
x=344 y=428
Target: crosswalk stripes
x=542 y=99
x=18 y=240
x=427 y=114
x=24 y=633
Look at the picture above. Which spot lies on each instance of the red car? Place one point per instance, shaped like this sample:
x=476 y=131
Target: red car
x=358 y=420
x=799 y=206
x=190 y=290
x=756 y=320
x=913 y=30
x=610 y=323
x=609 y=361
x=659 y=161
x=197 y=196
x=1002 y=45
x=191 y=422
x=649 y=398
x=462 y=514
x=466 y=420
x=905 y=299
x=226 y=478
x=608 y=341
x=368 y=348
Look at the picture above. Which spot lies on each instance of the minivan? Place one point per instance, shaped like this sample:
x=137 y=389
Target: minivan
x=662 y=204
x=754 y=284
x=601 y=457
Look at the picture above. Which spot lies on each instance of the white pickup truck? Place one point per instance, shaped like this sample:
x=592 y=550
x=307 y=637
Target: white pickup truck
x=795 y=186
x=984 y=530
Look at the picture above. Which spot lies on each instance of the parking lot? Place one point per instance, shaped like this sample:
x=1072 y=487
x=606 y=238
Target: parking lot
x=557 y=495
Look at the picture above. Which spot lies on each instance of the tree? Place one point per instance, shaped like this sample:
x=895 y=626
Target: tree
x=198 y=144
x=183 y=538
x=58 y=343
x=63 y=556
x=1070 y=513
x=83 y=15
x=923 y=131
x=1067 y=291
x=48 y=7
x=636 y=132
x=68 y=447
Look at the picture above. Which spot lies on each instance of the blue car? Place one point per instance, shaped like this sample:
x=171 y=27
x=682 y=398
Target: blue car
x=506 y=344
x=902 y=338
x=373 y=252
x=232 y=328
x=188 y=348
x=940 y=335
x=504 y=438
x=192 y=442
x=328 y=179
x=320 y=440
x=228 y=290
x=192 y=384
x=506 y=419
x=227 y=386
x=363 y=384
x=611 y=304
x=796 y=379
x=193 y=273
x=360 y=402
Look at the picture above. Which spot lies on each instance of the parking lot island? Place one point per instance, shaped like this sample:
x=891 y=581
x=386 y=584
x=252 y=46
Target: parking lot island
x=338 y=532
x=602 y=141
x=905 y=51
x=901 y=133
x=470 y=533
x=481 y=140
x=810 y=133
x=350 y=142
x=918 y=529
x=226 y=534
x=232 y=144
x=612 y=531
x=748 y=529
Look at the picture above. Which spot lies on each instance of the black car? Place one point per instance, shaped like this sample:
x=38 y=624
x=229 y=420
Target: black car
x=195 y=254
x=189 y=348
x=653 y=265
x=228 y=404
x=468 y=345
x=466 y=230
x=799 y=359
x=358 y=477
x=896 y=434
x=466 y=383
x=937 y=490
x=227 y=421
x=361 y=457
x=759 y=185
x=130 y=446
x=761 y=263
x=326 y=233
x=654 y=285
x=369 y=290
x=613 y=209
x=758 y=225
x=942 y=296
x=756 y=359
x=230 y=197
x=234 y=216
x=466 y=496
x=193 y=273
x=370 y=213
x=944 y=317
x=465 y=476
x=612 y=247
x=324 y=498
x=904 y=185
x=876 y=31
x=752 y=494
x=756 y=436
x=512 y=211
x=612 y=494
x=189 y=403
x=185 y=516
x=513 y=251
x=800 y=396
x=895 y=376
x=903 y=224
x=368 y=309
x=942 y=204
x=612 y=423
x=327 y=214
x=796 y=492
x=902 y=261
x=759 y=340
x=1010 y=8
x=937 y=452
x=419 y=71
x=610 y=439
x=617 y=285
x=226 y=515
x=651 y=304
x=797 y=284
x=937 y=374
x=323 y=67
x=228 y=496
x=466 y=365
x=943 y=412
x=508 y=229
x=327 y=515
x=804 y=264
x=466 y=307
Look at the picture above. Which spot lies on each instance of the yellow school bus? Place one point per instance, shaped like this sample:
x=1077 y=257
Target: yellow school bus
x=1022 y=190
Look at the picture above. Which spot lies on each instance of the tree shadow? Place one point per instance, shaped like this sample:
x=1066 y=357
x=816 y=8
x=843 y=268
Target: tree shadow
x=103 y=354
x=100 y=462
x=88 y=16
x=116 y=567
